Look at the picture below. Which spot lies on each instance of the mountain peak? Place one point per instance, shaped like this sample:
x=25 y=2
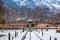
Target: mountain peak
x=51 y=4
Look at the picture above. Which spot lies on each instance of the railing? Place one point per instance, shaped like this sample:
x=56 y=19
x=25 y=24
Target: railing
x=19 y=26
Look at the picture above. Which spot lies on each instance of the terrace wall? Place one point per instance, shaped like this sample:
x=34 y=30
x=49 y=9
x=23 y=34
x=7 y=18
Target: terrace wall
x=45 y=25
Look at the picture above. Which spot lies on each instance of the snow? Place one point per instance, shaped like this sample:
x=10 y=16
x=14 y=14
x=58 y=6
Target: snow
x=40 y=2
x=31 y=36
x=23 y=2
x=52 y=4
x=56 y=5
x=20 y=36
x=12 y=34
x=27 y=36
x=48 y=34
x=34 y=35
x=15 y=0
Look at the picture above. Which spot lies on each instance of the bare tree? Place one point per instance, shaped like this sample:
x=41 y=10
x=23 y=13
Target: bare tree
x=2 y=10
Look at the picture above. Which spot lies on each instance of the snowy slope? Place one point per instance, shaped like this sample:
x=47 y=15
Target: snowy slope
x=52 y=5
x=31 y=3
x=49 y=3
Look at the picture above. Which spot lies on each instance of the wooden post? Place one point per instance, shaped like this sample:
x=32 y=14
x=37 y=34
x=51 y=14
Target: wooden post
x=42 y=32
x=55 y=39
x=23 y=29
x=12 y=37
x=46 y=29
x=50 y=38
x=2 y=28
x=9 y=36
x=15 y=34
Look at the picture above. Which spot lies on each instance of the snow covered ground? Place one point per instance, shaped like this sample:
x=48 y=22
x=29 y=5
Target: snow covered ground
x=19 y=37
x=31 y=36
x=12 y=34
x=47 y=34
x=34 y=35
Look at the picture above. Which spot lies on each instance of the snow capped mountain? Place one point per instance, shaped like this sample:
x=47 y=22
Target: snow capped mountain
x=31 y=3
x=29 y=7
x=53 y=5
x=10 y=3
x=49 y=3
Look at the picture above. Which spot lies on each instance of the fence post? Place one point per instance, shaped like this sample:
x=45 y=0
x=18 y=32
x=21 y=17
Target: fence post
x=42 y=32
x=9 y=36
x=55 y=38
x=12 y=37
x=15 y=34
x=50 y=37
